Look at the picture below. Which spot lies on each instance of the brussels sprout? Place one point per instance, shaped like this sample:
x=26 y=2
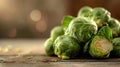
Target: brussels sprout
x=66 y=47
x=100 y=16
x=116 y=47
x=81 y=29
x=49 y=47
x=65 y=22
x=85 y=12
x=106 y=32
x=56 y=31
x=100 y=47
x=114 y=24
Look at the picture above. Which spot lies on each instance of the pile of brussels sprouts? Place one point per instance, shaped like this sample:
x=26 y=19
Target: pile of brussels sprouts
x=92 y=33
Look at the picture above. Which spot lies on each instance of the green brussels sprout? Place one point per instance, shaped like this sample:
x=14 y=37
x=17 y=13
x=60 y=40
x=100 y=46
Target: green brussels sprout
x=85 y=12
x=81 y=29
x=100 y=16
x=106 y=32
x=56 y=31
x=114 y=24
x=100 y=47
x=116 y=47
x=66 y=47
x=49 y=47
x=66 y=21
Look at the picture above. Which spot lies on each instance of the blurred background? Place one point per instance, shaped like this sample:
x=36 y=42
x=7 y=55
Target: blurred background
x=35 y=18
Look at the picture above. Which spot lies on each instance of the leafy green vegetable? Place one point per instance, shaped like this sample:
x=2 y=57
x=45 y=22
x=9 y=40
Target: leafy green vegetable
x=85 y=12
x=114 y=24
x=49 y=47
x=100 y=16
x=56 y=31
x=100 y=47
x=66 y=21
x=106 y=32
x=66 y=47
x=116 y=47
x=81 y=29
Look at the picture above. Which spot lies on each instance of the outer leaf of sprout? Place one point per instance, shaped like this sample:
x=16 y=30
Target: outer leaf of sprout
x=66 y=21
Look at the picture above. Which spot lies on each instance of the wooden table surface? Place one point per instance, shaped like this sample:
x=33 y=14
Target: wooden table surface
x=30 y=53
